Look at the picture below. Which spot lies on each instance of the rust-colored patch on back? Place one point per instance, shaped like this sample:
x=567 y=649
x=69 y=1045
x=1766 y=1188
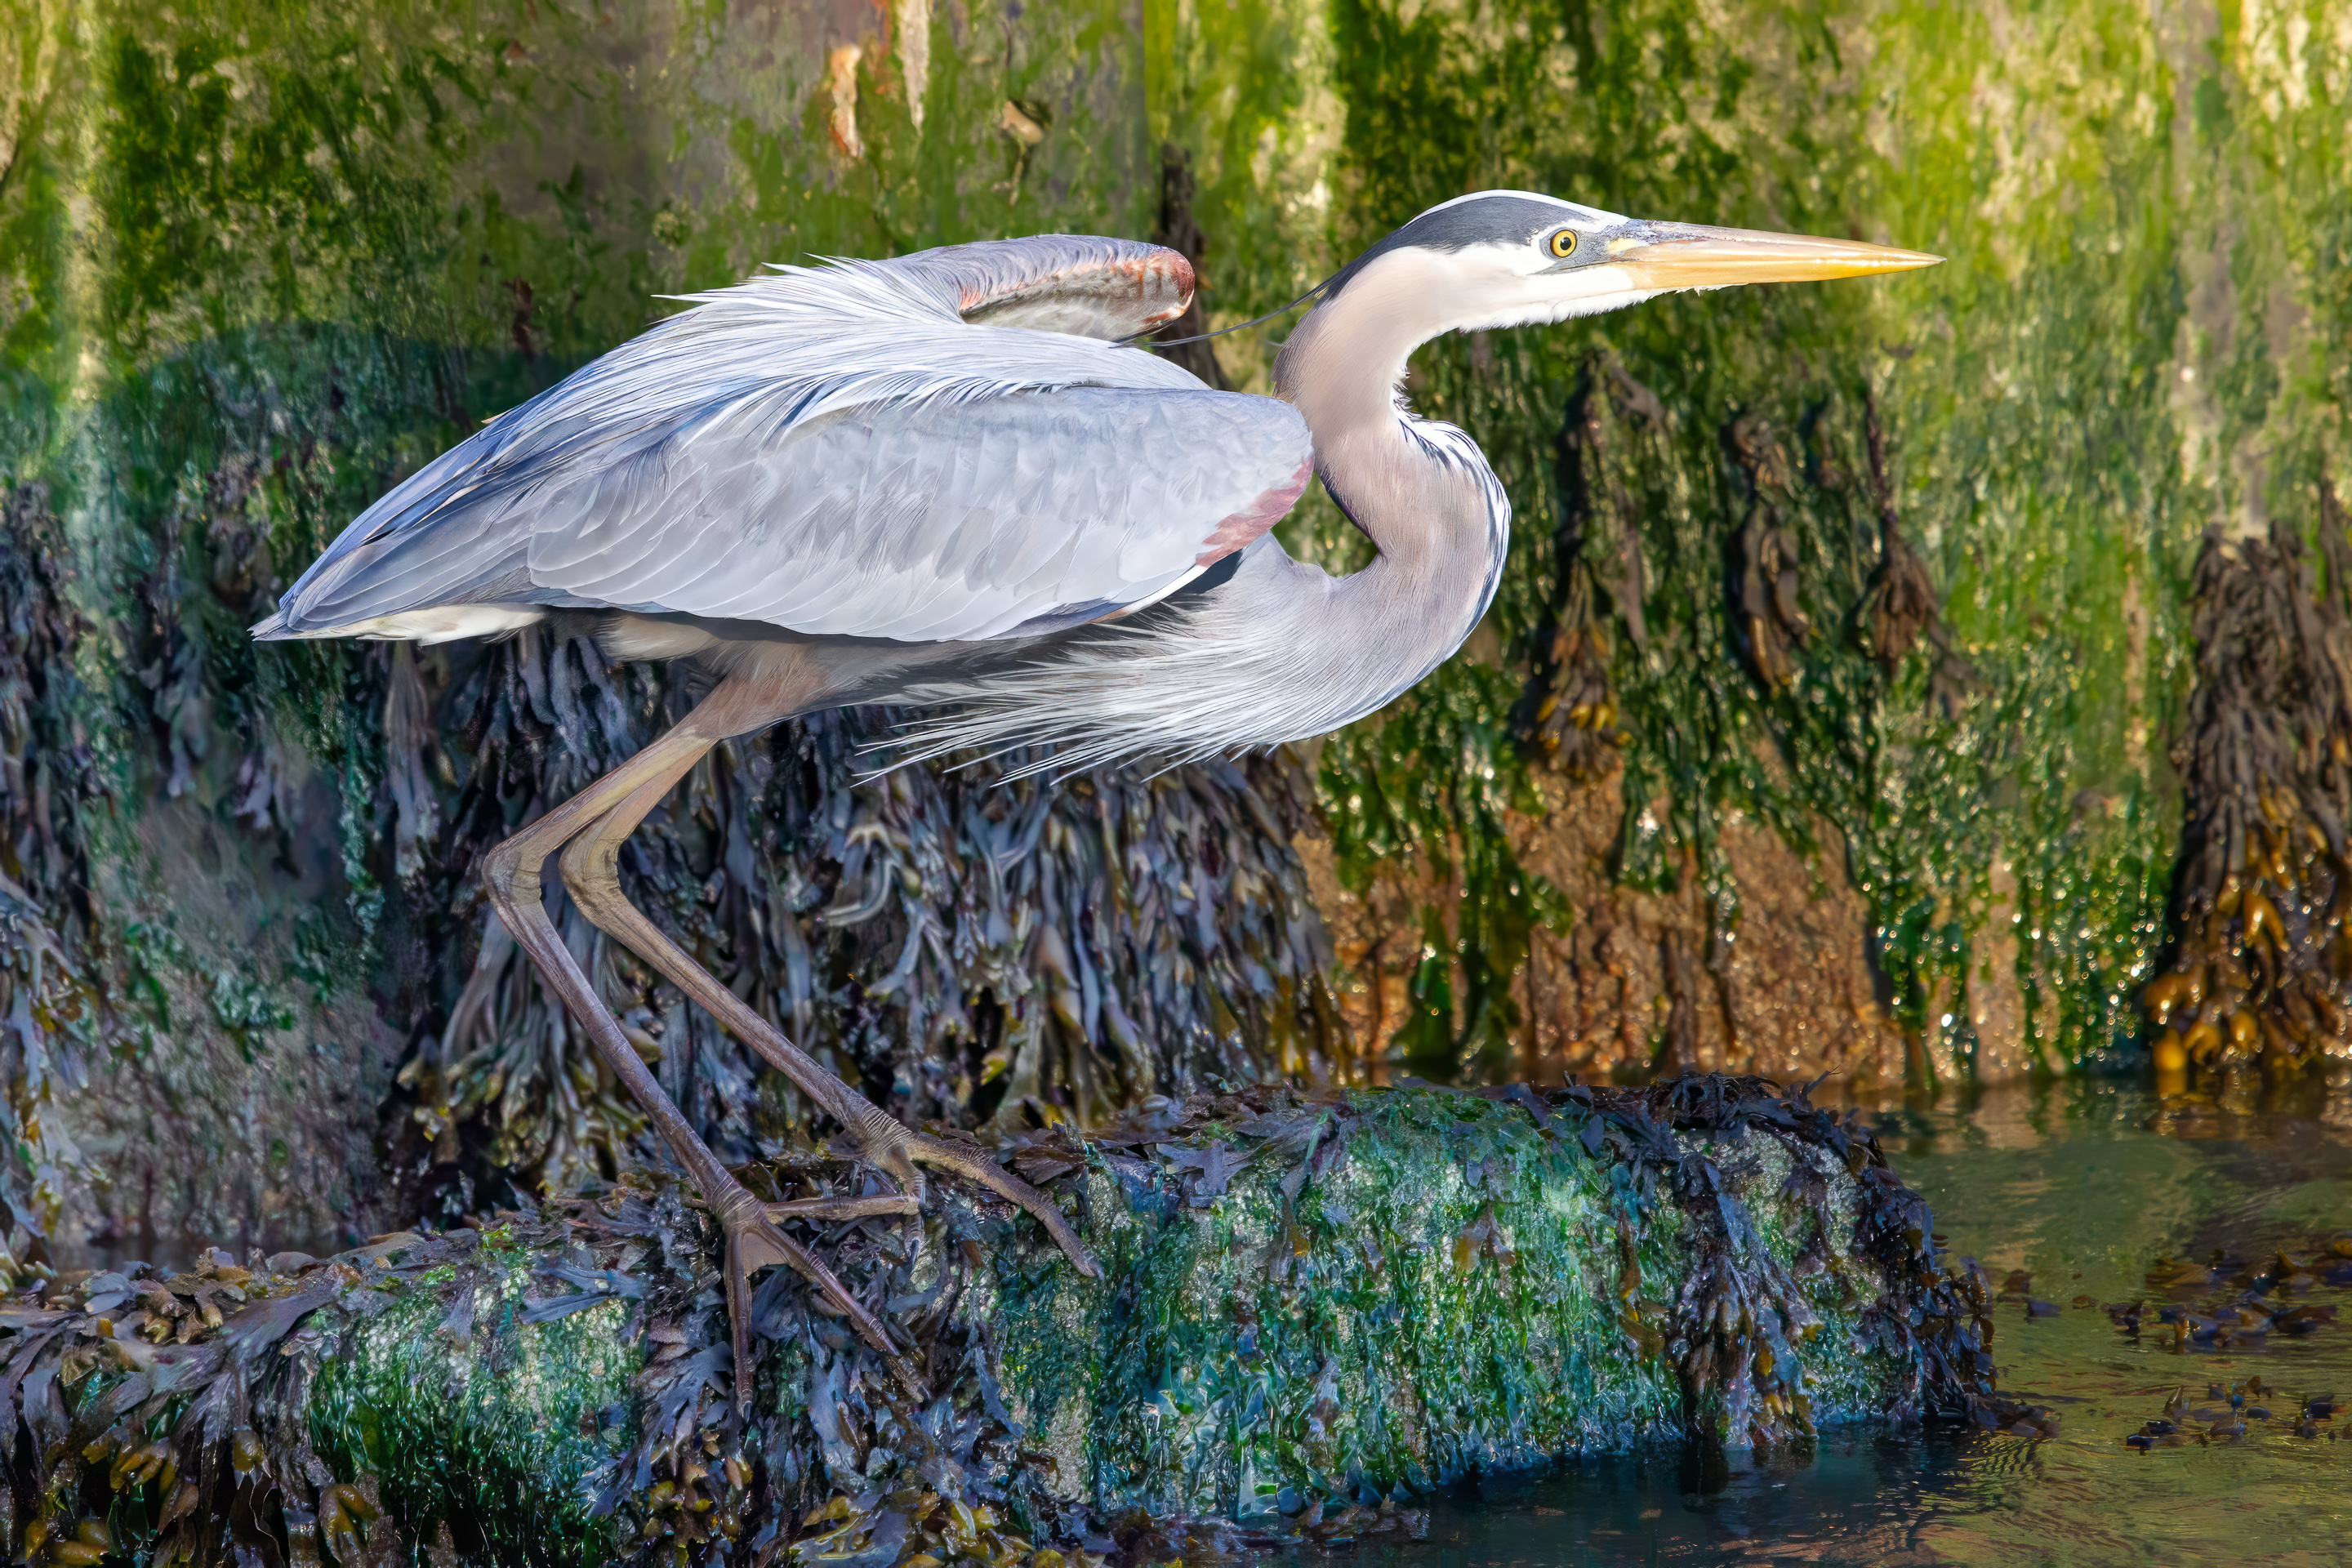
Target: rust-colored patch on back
x=1249 y=524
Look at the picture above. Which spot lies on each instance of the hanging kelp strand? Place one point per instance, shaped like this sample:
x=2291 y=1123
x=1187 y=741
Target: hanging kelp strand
x=2262 y=957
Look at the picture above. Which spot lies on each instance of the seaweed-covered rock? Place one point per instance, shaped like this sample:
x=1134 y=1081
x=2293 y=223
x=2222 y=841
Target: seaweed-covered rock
x=1313 y=1309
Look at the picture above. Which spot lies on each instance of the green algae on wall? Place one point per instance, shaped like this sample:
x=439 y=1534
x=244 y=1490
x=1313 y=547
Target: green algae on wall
x=263 y=260
x=1315 y=1310
x=2138 y=334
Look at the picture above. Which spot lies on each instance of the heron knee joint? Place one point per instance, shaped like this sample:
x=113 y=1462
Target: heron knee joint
x=592 y=867
x=508 y=878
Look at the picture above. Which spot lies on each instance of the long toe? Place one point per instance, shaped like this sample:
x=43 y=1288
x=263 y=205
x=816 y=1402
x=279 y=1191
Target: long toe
x=754 y=1243
x=975 y=1165
x=900 y=1155
x=875 y=1206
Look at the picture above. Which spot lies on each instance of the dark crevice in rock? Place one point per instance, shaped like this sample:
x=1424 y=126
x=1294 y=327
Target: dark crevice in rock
x=1180 y=231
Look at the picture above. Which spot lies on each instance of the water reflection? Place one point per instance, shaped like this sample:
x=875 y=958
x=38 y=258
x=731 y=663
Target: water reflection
x=2084 y=1187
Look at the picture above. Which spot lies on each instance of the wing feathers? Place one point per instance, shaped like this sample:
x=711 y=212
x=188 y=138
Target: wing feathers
x=837 y=453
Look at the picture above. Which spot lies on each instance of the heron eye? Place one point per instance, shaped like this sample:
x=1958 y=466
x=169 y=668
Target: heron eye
x=1563 y=243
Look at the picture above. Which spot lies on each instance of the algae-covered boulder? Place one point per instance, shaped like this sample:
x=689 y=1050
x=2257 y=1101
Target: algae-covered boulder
x=1313 y=1309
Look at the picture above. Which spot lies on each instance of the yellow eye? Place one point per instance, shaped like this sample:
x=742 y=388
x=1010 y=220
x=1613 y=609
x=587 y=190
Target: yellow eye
x=1563 y=243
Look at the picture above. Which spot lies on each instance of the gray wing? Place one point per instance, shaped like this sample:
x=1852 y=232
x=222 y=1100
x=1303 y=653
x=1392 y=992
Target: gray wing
x=841 y=451
x=930 y=521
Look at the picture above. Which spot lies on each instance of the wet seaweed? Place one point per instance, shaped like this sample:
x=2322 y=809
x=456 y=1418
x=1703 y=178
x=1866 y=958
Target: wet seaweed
x=2260 y=959
x=962 y=949
x=554 y=1386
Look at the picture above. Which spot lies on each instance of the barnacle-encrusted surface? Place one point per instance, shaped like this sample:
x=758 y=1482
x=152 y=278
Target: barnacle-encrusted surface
x=1314 y=1309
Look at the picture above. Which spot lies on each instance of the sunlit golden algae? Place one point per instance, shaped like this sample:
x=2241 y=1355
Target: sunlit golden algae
x=2261 y=964
x=1317 y=1311
x=1567 y=713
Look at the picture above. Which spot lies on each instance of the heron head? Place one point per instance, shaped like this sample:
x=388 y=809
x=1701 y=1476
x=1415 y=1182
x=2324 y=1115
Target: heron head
x=1508 y=259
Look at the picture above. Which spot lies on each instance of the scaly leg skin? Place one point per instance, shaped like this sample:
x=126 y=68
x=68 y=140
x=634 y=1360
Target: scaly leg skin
x=512 y=874
x=592 y=872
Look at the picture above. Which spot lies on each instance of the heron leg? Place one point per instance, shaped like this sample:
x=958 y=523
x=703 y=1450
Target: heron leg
x=512 y=873
x=591 y=874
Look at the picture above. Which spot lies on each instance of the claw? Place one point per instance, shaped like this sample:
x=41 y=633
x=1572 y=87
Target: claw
x=754 y=1243
x=742 y=1259
x=975 y=1167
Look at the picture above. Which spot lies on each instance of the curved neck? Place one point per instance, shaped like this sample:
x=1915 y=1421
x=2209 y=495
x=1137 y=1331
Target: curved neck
x=1343 y=364
x=1421 y=491
x=1278 y=650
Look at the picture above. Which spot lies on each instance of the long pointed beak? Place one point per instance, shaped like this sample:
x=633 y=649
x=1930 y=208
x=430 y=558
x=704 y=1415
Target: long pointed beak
x=1688 y=255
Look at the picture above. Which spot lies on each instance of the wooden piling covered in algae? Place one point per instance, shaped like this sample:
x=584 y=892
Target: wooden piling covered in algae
x=1314 y=1309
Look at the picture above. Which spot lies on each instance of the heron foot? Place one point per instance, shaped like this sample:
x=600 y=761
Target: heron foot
x=900 y=1153
x=753 y=1242
x=591 y=866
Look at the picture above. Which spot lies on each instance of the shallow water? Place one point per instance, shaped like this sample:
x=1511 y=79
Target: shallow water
x=2086 y=1186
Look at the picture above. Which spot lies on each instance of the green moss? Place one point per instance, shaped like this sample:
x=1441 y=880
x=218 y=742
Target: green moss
x=504 y=1444
x=1457 y=1292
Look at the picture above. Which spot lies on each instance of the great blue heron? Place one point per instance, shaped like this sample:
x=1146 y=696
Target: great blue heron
x=932 y=481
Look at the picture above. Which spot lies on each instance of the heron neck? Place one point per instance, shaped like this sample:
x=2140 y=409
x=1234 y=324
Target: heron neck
x=1343 y=367
x=1419 y=491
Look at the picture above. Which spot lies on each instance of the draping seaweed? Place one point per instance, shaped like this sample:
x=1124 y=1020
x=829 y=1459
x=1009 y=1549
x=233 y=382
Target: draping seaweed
x=2259 y=967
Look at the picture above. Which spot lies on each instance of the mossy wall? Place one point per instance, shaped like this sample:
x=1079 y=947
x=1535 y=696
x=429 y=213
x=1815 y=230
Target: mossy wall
x=1741 y=676
x=1826 y=718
